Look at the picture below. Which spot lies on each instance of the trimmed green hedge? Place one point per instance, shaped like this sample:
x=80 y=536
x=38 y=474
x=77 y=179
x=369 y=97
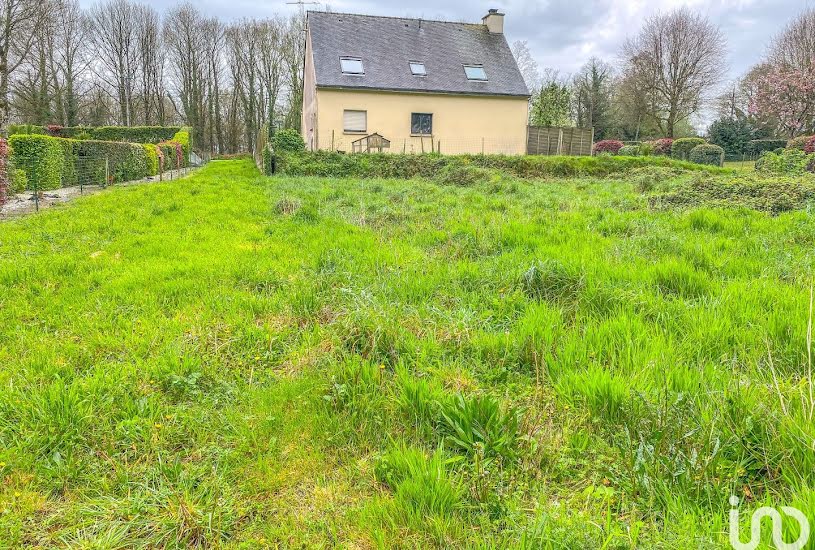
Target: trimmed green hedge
x=40 y=157
x=394 y=166
x=26 y=129
x=682 y=147
x=712 y=155
x=133 y=134
x=50 y=162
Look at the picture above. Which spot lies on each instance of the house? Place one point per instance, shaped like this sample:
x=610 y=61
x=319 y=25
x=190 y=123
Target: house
x=420 y=86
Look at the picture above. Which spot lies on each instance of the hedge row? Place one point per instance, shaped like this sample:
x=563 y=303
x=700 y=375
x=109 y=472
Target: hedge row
x=758 y=146
x=133 y=134
x=51 y=162
x=394 y=166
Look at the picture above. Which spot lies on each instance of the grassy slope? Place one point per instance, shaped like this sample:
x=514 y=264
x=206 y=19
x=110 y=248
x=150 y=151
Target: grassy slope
x=222 y=360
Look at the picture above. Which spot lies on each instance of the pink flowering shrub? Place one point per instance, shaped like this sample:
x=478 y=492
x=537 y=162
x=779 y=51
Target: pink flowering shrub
x=4 y=179
x=799 y=142
x=608 y=146
x=663 y=146
x=786 y=95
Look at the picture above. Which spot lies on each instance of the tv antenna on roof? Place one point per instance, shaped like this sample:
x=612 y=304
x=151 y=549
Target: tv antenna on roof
x=303 y=4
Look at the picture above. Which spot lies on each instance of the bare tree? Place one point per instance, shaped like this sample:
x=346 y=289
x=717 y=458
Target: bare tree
x=294 y=51
x=184 y=29
x=116 y=49
x=69 y=59
x=151 y=64
x=676 y=59
x=18 y=21
x=527 y=65
x=795 y=46
x=213 y=46
x=244 y=59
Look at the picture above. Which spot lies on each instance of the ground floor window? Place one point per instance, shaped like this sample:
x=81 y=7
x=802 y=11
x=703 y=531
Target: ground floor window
x=355 y=122
x=421 y=124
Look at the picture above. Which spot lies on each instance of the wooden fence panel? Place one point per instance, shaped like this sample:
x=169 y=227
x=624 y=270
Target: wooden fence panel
x=559 y=141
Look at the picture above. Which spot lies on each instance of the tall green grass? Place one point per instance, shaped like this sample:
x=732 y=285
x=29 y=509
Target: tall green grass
x=236 y=361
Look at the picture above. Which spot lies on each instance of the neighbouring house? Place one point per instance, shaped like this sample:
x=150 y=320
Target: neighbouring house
x=412 y=85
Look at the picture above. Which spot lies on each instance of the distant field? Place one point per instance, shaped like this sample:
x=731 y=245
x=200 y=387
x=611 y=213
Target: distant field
x=236 y=361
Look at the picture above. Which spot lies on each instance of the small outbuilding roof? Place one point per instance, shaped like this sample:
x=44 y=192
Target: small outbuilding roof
x=387 y=46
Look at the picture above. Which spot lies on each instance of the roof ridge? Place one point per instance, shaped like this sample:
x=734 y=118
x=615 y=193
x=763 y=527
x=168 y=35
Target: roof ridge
x=395 y=17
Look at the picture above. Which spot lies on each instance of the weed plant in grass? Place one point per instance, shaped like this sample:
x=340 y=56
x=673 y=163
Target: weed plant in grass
x=236 y=361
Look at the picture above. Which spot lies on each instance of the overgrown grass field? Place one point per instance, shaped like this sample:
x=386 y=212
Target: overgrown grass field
x=237 y=361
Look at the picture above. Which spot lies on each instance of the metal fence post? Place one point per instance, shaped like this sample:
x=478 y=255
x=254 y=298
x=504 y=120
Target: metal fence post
x=107 y=173
x=36 y=196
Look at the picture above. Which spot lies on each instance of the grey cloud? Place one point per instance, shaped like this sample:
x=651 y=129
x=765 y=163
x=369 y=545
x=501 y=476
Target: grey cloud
x=562 y=34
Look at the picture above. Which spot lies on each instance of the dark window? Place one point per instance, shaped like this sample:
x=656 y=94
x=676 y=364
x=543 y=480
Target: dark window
x=421 y=124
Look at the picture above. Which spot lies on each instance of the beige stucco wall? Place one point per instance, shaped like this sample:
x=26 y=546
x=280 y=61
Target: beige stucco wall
x=461 y=124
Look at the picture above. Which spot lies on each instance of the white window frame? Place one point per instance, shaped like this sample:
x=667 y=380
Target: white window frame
x=345 y=121
x=352 y=59
x=418 y=63
x=475 y=66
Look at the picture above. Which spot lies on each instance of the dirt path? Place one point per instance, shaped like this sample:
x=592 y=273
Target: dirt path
x=24 y=203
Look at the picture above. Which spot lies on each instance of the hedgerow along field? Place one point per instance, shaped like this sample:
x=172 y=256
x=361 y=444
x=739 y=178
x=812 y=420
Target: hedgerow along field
x=239 y=361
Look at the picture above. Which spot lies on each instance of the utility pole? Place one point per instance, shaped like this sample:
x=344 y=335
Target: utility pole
x=303 y=4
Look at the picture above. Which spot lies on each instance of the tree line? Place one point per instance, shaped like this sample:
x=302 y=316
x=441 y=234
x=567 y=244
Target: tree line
x=121 y=62
x=671 y=71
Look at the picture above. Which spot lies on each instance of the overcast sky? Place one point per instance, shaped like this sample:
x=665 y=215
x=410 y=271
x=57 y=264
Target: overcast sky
x=562 y=34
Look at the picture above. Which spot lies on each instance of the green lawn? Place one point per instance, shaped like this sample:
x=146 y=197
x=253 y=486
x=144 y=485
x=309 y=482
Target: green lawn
x=741 y=166
x=237 y=361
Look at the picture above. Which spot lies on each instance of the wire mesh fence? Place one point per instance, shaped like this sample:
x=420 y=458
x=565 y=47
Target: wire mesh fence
x=25 y=194
x=416 y=145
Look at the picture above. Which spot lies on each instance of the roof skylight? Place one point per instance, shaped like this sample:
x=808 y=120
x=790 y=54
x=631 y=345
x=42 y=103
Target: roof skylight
x=475 y=72
x=351 y=65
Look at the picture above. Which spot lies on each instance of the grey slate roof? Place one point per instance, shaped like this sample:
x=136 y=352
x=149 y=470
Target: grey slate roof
x=387 y=44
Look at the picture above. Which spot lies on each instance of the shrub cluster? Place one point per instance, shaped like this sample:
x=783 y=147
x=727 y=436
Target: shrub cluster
x=50 y=162
x=174 y=153
x=773 y=195
x=608 y=146
x=681 y=148
x=288 y=141
x=712 y=155
x=810 y=145
x=799 y=142
x=395 y=166
x=133 y=134
x=787 y=161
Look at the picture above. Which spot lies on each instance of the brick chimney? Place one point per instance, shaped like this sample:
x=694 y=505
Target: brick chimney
x=494 y=21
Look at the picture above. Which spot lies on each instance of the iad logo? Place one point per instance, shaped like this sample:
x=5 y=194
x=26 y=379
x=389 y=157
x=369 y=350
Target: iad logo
x=777 y=521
